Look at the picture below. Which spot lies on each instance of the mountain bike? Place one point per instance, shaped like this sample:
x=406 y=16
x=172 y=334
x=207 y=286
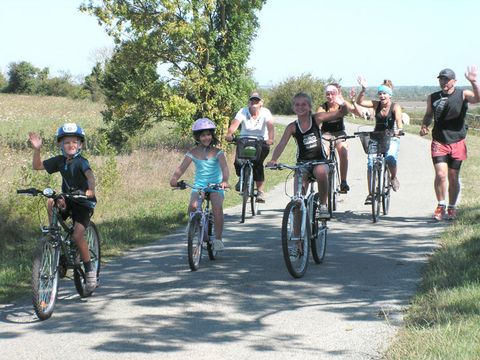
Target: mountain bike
x=57 y=252
x=333 y=172
x=377 y=143
x=301 y=225
x=248 y=150
x=200 y=225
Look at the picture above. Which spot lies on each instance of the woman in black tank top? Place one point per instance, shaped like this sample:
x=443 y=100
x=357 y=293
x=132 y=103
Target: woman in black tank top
x=388 y=115
x=336 y=127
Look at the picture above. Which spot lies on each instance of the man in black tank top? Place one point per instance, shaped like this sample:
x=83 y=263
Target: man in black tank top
x=448 y=109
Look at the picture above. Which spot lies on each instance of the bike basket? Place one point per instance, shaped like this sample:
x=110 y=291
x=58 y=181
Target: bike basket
x=375 y=143
x=249 y=149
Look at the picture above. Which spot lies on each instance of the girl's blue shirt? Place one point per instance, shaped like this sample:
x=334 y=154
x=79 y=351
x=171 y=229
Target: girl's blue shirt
x=207 y=171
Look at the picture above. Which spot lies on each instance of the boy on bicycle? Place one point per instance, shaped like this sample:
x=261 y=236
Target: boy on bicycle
x=76 y=176
x=306 y=132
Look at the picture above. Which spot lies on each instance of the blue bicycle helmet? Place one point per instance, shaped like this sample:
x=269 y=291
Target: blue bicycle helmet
x=70 y=129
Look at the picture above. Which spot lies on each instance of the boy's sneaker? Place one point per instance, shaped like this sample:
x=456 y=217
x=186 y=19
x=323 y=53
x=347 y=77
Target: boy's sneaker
x=90 y=281
x=451 y=213
x=344 y=188
x=395 y=184
x=323 y=212
x=260 y=197
x=368 y=200
x=439 y=212
x=218 y=245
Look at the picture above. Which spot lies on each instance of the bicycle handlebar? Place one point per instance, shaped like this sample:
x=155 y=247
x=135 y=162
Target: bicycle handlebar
x=341 y=137
x=386 y=133
x=182 y=185
x=281 y=166
x=50 y=193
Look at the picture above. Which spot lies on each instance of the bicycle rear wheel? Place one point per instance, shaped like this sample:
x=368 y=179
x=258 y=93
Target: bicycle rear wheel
x=45 y=277
x=195 y=235
x=375 y=188
x=295 y=247
x=93 y=241
x=386 y=191
x=253 y=198
x=245 y=194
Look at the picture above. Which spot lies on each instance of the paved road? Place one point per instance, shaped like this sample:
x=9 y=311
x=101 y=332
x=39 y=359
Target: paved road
x=245 y=304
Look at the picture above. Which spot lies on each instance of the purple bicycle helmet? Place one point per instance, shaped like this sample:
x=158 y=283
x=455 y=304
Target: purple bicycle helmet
x=70 y=129
x=203 y=124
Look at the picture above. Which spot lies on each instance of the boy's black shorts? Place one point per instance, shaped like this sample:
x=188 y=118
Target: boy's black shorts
x=79 y=213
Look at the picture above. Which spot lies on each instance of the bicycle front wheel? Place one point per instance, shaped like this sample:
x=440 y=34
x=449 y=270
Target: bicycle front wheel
x=93 y=241
x=319 y=241
x=195 y=235
x=45 y=278
x=295 y=239
x=376 y=195
x=212 y=253
x=386 y=192
x=246 y=191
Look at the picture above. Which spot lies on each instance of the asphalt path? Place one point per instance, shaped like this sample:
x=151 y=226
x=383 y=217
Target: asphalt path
x=245 y=304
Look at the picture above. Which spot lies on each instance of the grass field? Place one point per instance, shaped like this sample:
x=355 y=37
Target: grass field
x=136 y=206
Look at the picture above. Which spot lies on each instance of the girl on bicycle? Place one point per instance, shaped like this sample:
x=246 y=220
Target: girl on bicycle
x=306 y=132
x=336 y=127
x=388 y=116
x=210 y=168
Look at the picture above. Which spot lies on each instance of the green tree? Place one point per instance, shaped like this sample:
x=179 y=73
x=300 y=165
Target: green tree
x=176 y=59
x=282 y=94
x=93 y=81
x=3 y=82
x=23 y=77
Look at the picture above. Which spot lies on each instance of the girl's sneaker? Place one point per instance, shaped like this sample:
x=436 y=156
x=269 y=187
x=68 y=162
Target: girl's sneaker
x=439 y=213
x=218 y=245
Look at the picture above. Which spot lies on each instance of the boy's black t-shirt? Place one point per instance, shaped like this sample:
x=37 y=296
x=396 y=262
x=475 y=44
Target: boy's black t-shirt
x=73 y=175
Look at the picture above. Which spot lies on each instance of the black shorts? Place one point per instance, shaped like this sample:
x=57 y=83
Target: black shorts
x=77 y=212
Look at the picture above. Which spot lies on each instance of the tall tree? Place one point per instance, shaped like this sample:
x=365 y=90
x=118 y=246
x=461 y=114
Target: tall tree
x=176 y=59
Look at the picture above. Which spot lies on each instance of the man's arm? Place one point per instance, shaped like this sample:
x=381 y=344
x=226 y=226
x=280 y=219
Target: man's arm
x=90 y=193
x=471 y=75
x=427 y=118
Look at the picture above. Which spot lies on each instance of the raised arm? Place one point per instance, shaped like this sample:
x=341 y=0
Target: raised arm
x=36 y=142
x=361 y=95
x=472 y=97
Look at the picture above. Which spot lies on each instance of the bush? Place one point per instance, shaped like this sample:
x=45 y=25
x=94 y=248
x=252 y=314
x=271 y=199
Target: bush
x=281 y=95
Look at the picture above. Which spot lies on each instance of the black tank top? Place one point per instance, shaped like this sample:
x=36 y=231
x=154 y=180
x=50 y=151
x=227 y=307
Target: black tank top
x=309 y=142
x=383 y=123
x=449 y=112
x=334 y=125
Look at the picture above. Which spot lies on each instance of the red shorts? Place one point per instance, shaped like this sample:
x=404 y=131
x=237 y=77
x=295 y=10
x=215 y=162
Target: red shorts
x=456 y=151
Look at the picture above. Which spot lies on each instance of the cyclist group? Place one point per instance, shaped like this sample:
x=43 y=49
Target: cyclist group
x=447 y=108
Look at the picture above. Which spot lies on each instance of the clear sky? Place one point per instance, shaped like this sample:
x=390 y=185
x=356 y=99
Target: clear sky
x=407 y=41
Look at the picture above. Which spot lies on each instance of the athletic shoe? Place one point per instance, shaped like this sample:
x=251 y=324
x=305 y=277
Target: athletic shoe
x=293 y=252
x=395 y=184
x=344 y=188
x=451 y=213
x=90 y=281
x=218 y=245
x=439 y=213
x=260 y=197
x=323 y=212
x=368 y=200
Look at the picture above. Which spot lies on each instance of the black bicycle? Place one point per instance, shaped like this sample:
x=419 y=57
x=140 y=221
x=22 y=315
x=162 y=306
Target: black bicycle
x=200 y=225
x=301 y=225
x=56 y=253
x=248 y=150
x=333 y=172
x=377 y=143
